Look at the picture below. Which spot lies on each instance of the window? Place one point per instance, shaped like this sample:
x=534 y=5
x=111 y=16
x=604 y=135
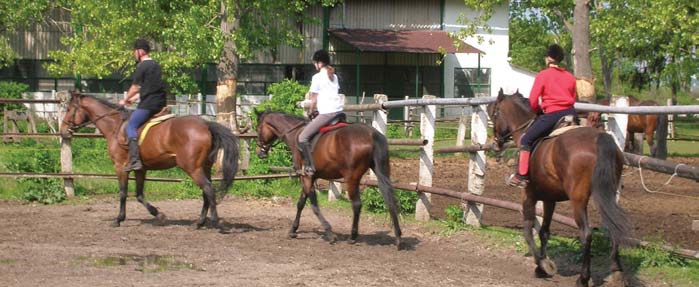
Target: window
x=470 y=81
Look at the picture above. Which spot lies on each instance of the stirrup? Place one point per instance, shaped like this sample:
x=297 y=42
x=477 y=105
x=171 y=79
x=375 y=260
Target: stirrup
x=516 y=180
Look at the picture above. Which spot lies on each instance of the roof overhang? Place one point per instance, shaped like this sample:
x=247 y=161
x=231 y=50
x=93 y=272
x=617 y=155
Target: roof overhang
x=403 y=41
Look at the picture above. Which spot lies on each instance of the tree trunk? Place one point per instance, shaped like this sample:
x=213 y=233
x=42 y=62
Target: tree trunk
x=607 y=71
x=582 y=67
x=227 y=71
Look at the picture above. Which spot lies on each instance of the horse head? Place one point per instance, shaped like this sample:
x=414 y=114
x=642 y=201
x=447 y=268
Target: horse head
x=509 y=114
x=75 y=115
x=266 y=133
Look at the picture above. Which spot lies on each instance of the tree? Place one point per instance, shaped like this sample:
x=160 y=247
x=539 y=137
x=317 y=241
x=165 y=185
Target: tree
x=187 y=35
x=15 y=14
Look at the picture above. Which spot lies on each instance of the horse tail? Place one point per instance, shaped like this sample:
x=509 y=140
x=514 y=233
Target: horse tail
x=661 y=137
x=605 y=180
x=223 y=138
x=382 y=169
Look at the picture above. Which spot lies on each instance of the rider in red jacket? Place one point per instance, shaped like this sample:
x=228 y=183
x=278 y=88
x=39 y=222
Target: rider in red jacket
x=555 y=88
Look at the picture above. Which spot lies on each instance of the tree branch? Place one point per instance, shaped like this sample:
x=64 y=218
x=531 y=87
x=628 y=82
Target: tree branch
x=568 y=25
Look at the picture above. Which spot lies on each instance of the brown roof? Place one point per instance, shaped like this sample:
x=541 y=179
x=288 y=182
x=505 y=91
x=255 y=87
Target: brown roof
x=407 y=41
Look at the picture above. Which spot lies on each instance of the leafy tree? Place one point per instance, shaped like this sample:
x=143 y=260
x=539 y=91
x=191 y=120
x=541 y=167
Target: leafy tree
x=187 y=34
x=15 y=14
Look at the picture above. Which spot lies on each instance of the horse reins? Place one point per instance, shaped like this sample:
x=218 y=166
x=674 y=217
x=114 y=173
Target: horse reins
x=267 y=147
x=73 y=127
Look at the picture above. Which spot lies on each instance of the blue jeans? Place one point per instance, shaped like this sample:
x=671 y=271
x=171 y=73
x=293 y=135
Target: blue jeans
x=138 y=117
x=542 y=126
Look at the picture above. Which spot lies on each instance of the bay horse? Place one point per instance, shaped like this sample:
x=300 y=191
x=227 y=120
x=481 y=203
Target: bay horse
x=646 y=124
x=346 y=153
x=574 y=166
x=188 y=142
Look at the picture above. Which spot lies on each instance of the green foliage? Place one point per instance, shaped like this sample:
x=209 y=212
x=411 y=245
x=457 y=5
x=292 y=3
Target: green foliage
x=372 y=200
x=44 y=190
x=15 y=14
x=285 y=95
x=12 y=90
x=454 y=220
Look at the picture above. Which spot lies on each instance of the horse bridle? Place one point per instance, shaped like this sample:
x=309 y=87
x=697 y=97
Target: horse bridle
x=266 y=147
x=501 y=139
x=72 y=127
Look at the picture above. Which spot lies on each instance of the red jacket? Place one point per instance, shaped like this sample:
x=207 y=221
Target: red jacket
x=556 y=88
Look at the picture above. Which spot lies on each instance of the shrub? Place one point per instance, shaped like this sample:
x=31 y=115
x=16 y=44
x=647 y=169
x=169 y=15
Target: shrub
x=44 y=190
x=284 y=97
x=12 y=90
x=372 y=200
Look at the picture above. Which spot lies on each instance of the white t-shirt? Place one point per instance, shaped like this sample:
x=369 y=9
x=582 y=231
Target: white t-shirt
x=328 y=100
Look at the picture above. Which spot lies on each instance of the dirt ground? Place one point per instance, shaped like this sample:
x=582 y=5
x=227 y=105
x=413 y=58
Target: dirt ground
x=73 y=244
x=667 y=215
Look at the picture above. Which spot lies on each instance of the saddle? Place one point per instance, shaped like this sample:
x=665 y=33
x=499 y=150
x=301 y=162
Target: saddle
x=338 y=122
x=158 y=118
x=565 y=124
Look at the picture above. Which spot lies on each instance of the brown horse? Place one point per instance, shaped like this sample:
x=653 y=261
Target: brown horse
x=646 y=124
x=345 y=153
x=580 y=163
x=188 y=142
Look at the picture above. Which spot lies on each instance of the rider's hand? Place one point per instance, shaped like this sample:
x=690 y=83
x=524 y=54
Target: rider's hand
x=124 y=102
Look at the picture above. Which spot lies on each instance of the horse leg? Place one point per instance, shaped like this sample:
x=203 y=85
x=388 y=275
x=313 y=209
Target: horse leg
x=651 y=143
x=580 y=213
x=316 y=210
x=353 y=192
x=209 y=196
x=140 y=182
x=548 y=266
x=299 y=208
x=529 y=214
x=123 y=192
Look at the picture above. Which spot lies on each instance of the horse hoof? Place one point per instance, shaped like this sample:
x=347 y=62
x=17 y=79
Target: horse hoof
x=116 y=223
x=548 y=267
x=201 y=223
x=352 y=241
x=293 y=235
x=581 y=283
x=331 y=237
x=161 y=218
x=617 y=279
x=398 y=244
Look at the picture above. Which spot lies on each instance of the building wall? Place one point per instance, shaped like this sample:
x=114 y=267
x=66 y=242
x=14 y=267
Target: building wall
x=495 y=46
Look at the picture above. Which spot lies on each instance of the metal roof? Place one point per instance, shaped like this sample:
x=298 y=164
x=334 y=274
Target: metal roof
x=406 y=41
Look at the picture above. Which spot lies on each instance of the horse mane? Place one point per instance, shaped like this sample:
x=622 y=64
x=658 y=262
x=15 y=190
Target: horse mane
x=104 y=102
x=521 y=101
x=283 y=114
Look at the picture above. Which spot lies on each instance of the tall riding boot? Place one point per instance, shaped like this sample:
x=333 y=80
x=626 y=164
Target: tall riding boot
x=134 y=156
x=308 y=168
x=521 y=177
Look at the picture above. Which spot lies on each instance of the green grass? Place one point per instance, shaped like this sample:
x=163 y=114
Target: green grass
x=146 y=264
x=649 y=264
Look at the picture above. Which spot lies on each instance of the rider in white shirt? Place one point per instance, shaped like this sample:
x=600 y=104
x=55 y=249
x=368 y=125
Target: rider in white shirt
x=323 y=96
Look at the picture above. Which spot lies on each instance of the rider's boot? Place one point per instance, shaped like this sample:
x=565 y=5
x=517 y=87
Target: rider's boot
x=520 y=178
x=134 y=156
x=308 y=168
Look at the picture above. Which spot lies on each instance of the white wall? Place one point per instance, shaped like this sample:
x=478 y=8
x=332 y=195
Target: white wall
x=495 y=46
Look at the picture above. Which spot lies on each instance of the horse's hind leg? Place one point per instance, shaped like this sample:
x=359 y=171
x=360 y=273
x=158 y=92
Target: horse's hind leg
x=548 y=266
x=140 y=182
x=580 y=214
x=353 y=192
x=209 y=196
x=123 y=192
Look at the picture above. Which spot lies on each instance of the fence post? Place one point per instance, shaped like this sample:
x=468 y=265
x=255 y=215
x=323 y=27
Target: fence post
x=473 y=212
x=335 y=188
x=66 y=151
x=427 y=121
x=617 y=122
x=670 y=122
x=461 y=133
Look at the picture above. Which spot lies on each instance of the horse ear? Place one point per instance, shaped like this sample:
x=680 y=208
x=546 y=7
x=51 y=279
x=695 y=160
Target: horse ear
x=501 y=95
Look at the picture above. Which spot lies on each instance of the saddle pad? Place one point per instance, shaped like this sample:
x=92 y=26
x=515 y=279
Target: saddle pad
x=150 y=124
x=332 y=127
x=560 y=131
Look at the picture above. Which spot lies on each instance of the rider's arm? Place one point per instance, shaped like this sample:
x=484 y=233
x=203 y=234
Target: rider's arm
x=131 y=95
x=314 y=101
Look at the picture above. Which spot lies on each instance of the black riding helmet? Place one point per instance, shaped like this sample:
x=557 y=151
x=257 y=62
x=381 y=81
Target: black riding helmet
x=142 y=44
x=321 y=56
x=555 y=52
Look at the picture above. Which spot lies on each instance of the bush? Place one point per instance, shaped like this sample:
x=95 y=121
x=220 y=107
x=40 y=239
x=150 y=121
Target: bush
x=372 y=200
x=12 y=90
x=44 y=190
x=284 y=97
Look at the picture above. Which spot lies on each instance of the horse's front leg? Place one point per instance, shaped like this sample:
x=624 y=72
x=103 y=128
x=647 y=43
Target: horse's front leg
x=123 y=178
x=299 y=208
x=316 y=210
x=140 y=182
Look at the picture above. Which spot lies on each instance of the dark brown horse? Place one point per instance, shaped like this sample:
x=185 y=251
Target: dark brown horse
x=188 y=142
x=646 y=124
x=580 y=163
x=345 y=153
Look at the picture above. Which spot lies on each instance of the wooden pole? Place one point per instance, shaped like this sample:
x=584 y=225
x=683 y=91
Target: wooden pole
x=461 y=133
x=426 y=169
x=473 y=212
x=67 y=165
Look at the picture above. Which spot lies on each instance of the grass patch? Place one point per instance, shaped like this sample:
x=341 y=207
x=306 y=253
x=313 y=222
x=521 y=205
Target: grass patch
x=7 y=261
x=146 y=264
